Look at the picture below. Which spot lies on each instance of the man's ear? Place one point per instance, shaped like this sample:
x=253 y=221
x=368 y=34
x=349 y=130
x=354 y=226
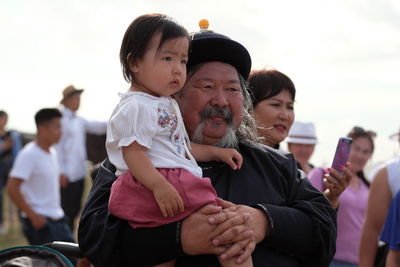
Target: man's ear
x=133 y=64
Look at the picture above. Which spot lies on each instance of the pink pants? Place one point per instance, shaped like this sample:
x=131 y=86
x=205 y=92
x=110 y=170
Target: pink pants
x=131 y=201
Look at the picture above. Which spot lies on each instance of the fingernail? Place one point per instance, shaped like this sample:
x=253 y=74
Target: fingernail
x=215 y=242
x=224 y=256
x=211 y=220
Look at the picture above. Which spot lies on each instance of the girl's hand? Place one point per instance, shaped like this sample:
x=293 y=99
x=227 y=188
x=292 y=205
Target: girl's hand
x=168 y=199
x=229 y=156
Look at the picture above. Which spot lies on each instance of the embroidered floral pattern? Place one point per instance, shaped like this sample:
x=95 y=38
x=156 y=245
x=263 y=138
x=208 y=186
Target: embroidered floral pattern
x=169 y=120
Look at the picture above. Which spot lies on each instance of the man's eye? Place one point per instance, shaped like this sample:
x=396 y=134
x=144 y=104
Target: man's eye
x=207 y=87
x=167 y=58
x=184 y=62
x=233 y=90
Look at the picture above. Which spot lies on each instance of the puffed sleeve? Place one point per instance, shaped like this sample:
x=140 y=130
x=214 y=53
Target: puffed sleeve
x=133 y=120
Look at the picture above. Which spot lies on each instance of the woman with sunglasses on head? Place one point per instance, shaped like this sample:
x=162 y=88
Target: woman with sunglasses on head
x=353 y=200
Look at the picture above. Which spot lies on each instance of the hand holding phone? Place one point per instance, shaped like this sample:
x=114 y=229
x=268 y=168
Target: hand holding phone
x=342 y=153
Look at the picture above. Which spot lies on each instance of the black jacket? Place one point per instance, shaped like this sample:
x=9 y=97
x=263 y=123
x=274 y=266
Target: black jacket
x=304 y=231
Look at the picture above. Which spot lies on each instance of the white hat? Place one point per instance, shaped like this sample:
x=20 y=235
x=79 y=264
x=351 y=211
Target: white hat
x=302 y=133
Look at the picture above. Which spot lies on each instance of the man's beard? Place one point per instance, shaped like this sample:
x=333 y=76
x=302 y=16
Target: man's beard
x=229 y=140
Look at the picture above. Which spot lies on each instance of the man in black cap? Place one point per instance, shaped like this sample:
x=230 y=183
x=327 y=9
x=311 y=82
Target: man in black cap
x=277 y=208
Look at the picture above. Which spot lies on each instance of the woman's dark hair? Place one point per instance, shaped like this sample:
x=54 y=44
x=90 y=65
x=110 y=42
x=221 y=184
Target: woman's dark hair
x=139 y=34
x=46 y=114
x=358 y=132
x=268 y=83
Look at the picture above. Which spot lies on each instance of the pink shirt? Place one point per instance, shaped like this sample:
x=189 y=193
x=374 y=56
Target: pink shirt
x=350 y=217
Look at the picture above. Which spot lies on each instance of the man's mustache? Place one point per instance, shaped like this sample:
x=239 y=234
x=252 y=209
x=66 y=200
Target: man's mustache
x=212 y=112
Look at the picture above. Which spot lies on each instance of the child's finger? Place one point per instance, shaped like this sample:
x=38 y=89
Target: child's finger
x=163 y=210
x=231 y=163
x=180 y=204
x=169 y=209
x=239 y=160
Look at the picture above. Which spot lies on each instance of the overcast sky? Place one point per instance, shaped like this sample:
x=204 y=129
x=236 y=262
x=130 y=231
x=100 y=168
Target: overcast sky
x=342 y=55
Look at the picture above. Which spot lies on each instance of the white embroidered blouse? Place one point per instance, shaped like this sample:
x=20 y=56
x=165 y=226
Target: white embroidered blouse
x=155 y=123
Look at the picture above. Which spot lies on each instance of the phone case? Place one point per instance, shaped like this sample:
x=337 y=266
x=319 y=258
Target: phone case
x=342 y=153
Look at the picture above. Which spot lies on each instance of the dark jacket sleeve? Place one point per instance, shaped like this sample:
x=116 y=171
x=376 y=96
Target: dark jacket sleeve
x=109 y=241
x=306 y=226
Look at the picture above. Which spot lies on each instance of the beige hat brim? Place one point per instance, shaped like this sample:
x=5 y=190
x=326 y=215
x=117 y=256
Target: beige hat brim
x=77 y=91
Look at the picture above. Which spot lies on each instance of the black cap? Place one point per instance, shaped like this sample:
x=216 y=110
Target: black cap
x=209 y=46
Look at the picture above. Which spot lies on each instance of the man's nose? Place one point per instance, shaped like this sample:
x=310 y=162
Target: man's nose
x=219 y=98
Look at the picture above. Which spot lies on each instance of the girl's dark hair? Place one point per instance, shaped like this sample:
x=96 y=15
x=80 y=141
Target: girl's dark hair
x=358 y=132
x=268 y=83
x=139 y=34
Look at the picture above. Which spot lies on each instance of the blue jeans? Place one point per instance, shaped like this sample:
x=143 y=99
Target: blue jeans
x=336 y=263
x=54 y=230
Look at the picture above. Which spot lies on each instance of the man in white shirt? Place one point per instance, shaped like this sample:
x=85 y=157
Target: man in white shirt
x=72 y=153
x=34 y=184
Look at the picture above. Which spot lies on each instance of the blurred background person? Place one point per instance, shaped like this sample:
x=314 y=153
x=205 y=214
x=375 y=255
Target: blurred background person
x=384 y=187
x=34 y=183
x=391 y=233
x=352 y=201
x=301 y=143
x=10 y=145
x=72 y=152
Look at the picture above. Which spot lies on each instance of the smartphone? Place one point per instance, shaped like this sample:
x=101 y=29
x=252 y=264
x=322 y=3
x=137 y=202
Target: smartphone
x=342 y=153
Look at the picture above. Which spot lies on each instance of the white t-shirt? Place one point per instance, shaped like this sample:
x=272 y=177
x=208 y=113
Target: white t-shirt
x=153 y=122
x=41 y=174
x=71 y=149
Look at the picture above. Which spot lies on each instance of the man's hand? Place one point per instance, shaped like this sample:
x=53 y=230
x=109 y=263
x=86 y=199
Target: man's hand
x=241 y=240
x=38 y=221
x=200 y=228
x=63 y=181
x=168 y=199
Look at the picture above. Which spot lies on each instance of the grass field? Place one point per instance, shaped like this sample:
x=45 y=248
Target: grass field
x=14 y=236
